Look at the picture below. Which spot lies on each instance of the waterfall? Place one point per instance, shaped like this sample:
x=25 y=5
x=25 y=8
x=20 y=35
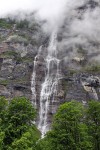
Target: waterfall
x=33 y=84
x=33 y=80
x=49 y=86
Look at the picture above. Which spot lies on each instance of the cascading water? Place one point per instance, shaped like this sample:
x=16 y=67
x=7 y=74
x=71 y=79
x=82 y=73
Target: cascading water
x=33 y=81
x=49 y=87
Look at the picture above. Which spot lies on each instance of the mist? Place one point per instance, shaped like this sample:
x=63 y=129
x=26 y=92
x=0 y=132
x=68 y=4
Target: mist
x=81 y=29
x=46 y=9
x=77 y=21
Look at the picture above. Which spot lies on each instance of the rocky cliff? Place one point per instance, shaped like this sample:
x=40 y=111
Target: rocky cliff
x=19 y=45
x=49 y=70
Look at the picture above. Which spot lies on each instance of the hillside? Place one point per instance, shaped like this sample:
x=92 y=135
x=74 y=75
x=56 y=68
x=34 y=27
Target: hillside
x=49 y=69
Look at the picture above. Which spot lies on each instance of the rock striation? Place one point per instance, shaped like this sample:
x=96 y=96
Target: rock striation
x=49 y=71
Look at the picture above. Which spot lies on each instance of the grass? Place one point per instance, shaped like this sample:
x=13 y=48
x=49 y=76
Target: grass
x=4 y=24
x=93 y=68
x=21 y=80
x=9 y=54
x=4 y=82
x=24 y=59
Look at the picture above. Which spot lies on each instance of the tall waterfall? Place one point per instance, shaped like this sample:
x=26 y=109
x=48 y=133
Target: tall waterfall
x=49 y=87
x=33 y=80
x=33 y=84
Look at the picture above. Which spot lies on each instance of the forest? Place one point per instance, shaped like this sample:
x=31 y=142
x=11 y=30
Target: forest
x=74 y=127
x=50 y=75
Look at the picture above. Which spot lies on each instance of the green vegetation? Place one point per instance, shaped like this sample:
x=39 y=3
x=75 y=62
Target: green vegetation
x=93 y=68
x=16 y=128
x=4 y=82
x=17 y=39
x=13 y=54
x=21 y=80
x=93 y=122
x=75 y=127
x=9 y=54
x=9 y=23
x=23 y=24
x=5 y=24
x=24 y=59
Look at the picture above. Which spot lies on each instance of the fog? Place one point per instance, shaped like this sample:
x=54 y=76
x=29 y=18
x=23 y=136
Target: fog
x=46 y=8
x=80 y=18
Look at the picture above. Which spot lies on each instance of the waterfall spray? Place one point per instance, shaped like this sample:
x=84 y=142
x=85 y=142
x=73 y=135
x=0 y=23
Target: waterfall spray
x=49 y=86
x=33 y=80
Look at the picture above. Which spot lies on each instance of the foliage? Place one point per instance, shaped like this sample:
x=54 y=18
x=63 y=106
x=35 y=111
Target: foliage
x=3 y=109
x=26 y=24
x=75 y=127
x=9 y=54
x=3 y=104
x=93 y=68
x=69 y=131
x=21 y=110
x=23 y=24
x=17 y=127
x=27 y=141
x=93 y=122
x=4 y=82
x=4 y=23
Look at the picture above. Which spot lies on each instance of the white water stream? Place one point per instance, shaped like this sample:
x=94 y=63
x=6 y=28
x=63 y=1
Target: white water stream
x=33 y=80
x=49 y=87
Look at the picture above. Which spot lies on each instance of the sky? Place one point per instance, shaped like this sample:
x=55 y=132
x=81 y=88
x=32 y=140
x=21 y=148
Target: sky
x=55 y=12
x=46 y=8
x=79 y=31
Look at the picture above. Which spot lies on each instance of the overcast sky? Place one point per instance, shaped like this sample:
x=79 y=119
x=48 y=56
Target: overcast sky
x=46 y=8
x=53 y=10
x=87 y=28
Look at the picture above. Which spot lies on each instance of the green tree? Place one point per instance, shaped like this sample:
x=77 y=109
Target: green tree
x=3 y=108
x=69 y=132
x=21 y=112
x=2 y=134
x=19 y=119
x=27 y=141
x=93 y=122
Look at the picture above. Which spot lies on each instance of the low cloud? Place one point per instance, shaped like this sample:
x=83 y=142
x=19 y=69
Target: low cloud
x=50 y=10
x=81 y=29
x=78 y=21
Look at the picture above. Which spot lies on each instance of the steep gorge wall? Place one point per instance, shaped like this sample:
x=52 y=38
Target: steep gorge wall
x=17 y=56
x=18 y=47
x=20 y=59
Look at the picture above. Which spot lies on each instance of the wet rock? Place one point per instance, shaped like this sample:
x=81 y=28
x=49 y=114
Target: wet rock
x=4 y=91
x=79 y=59
x=17 y=55
x=92 y=81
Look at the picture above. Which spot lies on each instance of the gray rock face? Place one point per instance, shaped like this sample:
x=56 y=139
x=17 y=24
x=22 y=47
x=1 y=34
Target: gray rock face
x=83 y=89
x=15 y=78
x=80 y=73
x=17 y=55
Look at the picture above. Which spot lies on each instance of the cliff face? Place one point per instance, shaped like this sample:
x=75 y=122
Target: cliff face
x=49 y=71
x=18 y=47
x=79 y=52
